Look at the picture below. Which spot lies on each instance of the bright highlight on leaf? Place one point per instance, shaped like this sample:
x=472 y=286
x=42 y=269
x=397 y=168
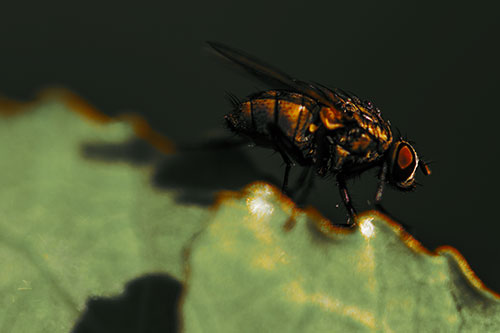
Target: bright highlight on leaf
x=258 y=204
x=366 y=228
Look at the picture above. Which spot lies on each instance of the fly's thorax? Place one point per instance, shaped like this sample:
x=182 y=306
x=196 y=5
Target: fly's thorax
x=348 y=114
x=356 y=135
x=350 y=147
x=375 y=127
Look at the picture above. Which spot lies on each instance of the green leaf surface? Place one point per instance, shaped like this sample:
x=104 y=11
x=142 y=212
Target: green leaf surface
x=73 y=227
x=260 y=267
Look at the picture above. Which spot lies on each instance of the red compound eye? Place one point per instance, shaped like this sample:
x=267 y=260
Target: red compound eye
x=405 y=157
x=404 y=163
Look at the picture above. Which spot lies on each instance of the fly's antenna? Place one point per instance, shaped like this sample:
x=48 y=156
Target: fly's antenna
x=424 y=166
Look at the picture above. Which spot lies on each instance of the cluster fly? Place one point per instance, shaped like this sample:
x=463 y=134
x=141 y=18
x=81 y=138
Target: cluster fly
x=331 y=130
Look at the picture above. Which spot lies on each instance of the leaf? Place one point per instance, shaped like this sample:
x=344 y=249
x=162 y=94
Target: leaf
x=71 y=226
x=79 y=218
x=261 y=266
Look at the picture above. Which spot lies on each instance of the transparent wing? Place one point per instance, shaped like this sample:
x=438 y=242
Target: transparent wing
x=273 y=76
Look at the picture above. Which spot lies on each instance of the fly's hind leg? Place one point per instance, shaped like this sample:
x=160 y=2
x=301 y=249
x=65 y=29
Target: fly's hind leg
x=280 y=146
x=287 y=151
x=288 y=167
x=346 y=198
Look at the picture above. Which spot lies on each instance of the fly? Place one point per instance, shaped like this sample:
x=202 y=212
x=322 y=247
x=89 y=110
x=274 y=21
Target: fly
x=331 y=130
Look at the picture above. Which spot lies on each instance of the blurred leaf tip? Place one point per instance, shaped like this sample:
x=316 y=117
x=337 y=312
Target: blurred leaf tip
x=75 y=103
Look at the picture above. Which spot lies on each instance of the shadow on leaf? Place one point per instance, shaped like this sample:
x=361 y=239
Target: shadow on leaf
x=196 y=175
x=148 y=304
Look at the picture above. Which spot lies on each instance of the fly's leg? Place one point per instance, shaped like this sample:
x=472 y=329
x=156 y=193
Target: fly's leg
x=306 y=177
x=344 y=194
x=378 y=197
x=280 y=144
x=381 y=183
x=303 y=177
x=284 y=143
x=287 y=150
x=289 y=164
x=380 y=188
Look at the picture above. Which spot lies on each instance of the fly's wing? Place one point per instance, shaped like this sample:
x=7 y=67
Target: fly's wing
x=273 y=76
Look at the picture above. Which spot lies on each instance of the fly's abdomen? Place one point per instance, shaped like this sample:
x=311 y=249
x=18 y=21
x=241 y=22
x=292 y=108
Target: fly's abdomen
x=291 y=113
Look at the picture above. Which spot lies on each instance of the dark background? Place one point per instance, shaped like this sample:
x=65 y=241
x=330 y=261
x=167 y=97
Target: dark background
x=432 y=69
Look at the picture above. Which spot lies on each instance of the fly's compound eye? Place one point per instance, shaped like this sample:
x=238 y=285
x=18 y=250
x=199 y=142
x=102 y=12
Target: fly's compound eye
x=404 y=162
x=405 y=158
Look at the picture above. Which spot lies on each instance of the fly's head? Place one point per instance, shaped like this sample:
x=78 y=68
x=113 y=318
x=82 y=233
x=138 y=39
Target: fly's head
x=403 y=162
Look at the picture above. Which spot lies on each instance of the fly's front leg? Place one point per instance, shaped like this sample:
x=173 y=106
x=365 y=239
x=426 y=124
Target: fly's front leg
x=380 y=189
x=344 y=194
x=382 y=178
